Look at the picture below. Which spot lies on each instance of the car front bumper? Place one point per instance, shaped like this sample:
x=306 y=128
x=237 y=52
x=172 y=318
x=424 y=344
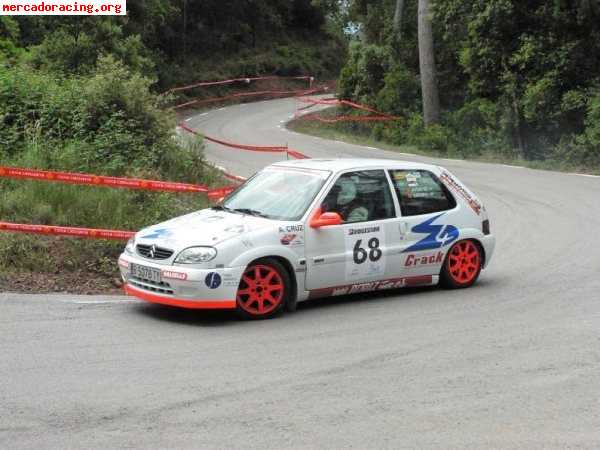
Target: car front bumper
x=182 y=286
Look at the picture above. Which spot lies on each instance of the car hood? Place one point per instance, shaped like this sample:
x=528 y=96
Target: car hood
x=203 y=228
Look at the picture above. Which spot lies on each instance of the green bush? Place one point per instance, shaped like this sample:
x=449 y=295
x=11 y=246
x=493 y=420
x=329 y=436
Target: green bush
x=401 y=93
x=479 y=128
x=72 y=50
x=106 y=122
x=363 y=76
x=583 y=150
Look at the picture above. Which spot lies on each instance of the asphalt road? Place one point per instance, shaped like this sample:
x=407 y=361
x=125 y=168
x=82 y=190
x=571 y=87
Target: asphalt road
x=513 y=362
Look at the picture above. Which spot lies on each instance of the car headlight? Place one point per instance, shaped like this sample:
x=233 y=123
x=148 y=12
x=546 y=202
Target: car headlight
x=196 y=255
x=130 y=247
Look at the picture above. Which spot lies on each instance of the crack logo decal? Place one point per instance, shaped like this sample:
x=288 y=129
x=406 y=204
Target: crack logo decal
x=437 y=235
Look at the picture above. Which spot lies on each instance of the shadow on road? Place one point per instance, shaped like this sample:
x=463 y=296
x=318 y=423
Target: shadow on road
x=356 y=300
x=206 y=318
x=216 y=318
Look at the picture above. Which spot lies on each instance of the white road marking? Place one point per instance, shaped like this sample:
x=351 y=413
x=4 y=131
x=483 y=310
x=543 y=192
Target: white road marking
x=514 y=167
x=372 y=148
x=188 y=119
x=586 y=175
x=203 y=114
x=100 y=302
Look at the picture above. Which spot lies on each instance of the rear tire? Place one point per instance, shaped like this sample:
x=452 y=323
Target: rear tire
x=462 y=266
x=264 y=290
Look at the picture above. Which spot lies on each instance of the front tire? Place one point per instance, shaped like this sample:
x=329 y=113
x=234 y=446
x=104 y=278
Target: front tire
x=462 y=266
x=264 y=290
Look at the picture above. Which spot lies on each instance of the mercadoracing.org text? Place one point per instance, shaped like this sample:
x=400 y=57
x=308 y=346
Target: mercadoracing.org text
x=62 y=8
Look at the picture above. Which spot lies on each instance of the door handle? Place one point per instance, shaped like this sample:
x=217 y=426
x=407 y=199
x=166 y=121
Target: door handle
x=403 y=228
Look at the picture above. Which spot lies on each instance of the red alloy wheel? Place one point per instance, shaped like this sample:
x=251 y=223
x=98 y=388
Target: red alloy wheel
x=261 y=290
x=464 y=262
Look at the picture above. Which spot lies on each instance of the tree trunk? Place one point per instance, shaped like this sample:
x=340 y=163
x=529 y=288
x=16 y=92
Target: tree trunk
x=429 y=88
x=184 y=33
x=398 y=13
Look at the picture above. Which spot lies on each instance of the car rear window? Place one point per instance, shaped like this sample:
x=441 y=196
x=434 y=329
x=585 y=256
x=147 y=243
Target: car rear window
x=420 y=192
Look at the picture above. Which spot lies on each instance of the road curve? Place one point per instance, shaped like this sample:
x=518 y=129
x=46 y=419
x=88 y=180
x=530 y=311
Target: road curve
x=511 y=363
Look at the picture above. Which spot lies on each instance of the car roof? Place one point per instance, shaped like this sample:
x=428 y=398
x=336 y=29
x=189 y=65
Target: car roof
x=343 y=164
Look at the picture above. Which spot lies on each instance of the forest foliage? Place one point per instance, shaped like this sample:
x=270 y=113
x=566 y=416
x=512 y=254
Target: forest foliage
x=516 y=78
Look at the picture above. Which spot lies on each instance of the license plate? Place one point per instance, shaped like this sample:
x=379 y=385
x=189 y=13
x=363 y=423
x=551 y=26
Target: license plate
x=147 y=273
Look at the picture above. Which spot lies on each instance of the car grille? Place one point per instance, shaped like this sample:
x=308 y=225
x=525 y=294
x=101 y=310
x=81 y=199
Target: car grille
x=151 y=286
x=154 y=252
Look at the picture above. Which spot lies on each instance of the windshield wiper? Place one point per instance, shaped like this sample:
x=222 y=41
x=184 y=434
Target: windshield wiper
x=251 y=212
x=220 y=208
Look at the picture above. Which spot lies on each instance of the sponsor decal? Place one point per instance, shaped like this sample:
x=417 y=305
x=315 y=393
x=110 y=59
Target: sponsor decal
x=291 y=228
x=438 y=236
x=381 y=285
x=159 y=233
x=416 y=260
x=292 y=239
x=287 y=238
x=174 y=275
x=291 y=235
x=229 y=280
x=213 y=280
x=455 y=186
x=364 y=249
x=353 y=231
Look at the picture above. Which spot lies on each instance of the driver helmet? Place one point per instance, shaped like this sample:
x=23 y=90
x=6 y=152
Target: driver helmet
x=347 y=192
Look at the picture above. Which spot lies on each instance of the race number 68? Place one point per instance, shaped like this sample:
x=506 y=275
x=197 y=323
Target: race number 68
x=360 y=255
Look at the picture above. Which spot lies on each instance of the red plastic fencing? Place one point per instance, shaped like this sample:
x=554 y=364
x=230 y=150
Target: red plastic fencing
x=92 y=233
x=99 y=180
x=246 y=80
x=253 y=148
x=318 y=118
x=377 y=116
x=247 y=94
x=152 y=185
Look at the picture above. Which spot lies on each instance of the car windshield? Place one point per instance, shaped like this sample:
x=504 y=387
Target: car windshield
x=277 y=193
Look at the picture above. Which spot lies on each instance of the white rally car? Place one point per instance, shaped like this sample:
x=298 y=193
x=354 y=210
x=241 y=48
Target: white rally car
x=311 y=228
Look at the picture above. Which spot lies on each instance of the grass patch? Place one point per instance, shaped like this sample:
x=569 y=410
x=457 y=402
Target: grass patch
x=33 y=263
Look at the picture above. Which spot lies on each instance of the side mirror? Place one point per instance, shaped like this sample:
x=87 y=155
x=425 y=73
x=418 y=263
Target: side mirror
x=319 y=219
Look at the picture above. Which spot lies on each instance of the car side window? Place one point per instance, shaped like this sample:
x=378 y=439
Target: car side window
x=420 y=192
x=360 y=196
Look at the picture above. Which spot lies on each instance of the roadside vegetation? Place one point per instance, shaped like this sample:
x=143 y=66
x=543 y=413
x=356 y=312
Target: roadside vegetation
x=105 y=122
x=513 y=81
x=82 y=94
